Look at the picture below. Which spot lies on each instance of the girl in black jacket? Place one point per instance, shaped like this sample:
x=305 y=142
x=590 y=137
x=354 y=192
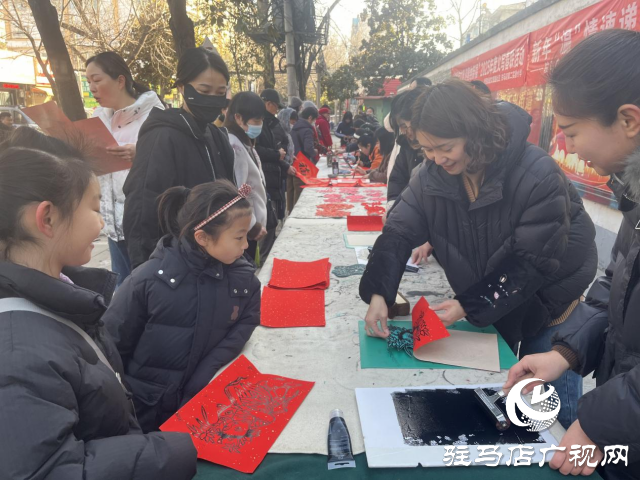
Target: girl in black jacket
x=65 y=413
x=178 y=147
x=597 y=105
x=192 y=307
x=508 y=228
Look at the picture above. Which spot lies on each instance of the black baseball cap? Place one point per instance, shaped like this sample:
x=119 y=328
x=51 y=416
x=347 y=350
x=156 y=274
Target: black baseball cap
x=271 y=95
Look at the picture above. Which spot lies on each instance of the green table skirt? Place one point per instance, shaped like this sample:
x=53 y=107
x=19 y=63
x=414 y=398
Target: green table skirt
x=311 y=467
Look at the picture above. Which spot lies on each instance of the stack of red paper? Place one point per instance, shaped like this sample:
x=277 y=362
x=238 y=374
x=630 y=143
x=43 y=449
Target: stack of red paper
x=364 y=223
x=295 y=294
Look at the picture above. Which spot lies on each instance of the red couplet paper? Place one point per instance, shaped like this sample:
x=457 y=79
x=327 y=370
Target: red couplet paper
x=236 y=419
x=333 y=210
x=292 y=308
x=304 y=166
x=374 y=208
x=90 y=136
x=361 y=223
x=427 y=326
x=300 y=275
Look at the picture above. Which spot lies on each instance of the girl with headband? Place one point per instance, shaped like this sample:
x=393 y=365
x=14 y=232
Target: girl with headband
x=192 y=307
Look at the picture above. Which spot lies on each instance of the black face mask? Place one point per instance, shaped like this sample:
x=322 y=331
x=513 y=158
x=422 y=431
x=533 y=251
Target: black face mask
x=204 y=107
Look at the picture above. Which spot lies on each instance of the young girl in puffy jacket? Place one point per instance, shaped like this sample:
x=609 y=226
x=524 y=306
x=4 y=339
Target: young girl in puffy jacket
x=191 y=308
x=596 y=101
x=64 y=412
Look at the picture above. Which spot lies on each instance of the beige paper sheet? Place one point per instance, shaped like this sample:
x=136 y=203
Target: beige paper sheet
x=362 y=240
x=463 y=349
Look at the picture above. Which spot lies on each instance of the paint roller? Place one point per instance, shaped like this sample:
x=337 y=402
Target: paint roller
x=488 y=403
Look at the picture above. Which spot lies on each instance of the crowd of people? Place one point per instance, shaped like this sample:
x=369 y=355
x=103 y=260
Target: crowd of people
x=88 y=373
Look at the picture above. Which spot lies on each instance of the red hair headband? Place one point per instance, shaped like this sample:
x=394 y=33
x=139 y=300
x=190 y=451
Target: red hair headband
x=243 y=192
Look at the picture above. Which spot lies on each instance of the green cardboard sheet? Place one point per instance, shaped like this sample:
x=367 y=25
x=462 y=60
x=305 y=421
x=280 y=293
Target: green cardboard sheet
x=374 y=352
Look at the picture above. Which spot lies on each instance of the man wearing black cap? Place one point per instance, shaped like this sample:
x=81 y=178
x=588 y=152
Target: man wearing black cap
x=271 y=146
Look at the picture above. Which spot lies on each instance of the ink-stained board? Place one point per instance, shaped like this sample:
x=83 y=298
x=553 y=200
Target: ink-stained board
x=407 y=427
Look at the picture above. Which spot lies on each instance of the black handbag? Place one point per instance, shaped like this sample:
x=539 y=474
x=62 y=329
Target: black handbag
x=272 y=218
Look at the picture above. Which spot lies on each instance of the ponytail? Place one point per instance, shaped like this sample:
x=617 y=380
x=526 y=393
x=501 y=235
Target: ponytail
x=171 y=202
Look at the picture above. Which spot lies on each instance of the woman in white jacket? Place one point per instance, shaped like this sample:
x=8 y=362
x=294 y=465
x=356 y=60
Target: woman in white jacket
x=124 y=106
x=244 y=122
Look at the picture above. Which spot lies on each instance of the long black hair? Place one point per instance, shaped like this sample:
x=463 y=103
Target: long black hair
x=598 y=76
x=347 y=116
x=248 y=105
x=194 y=61
x=35 y=168
x=114 y=65
x=386 y=140
x=181 y=209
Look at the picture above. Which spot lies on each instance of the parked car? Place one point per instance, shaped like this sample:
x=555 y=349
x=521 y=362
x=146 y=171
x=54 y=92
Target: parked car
x=20 y=119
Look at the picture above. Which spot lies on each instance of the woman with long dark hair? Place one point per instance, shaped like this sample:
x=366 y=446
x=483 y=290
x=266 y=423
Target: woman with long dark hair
x=508 y=228
x=124 y=106
x=178 y=147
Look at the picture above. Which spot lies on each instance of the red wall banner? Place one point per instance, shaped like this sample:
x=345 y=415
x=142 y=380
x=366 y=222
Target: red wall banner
x=551 y=43
x=501 y=68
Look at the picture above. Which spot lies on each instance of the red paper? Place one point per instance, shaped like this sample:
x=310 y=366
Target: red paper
x=236 y=419
x=304 y=166
x=427 y=326
x=292 y=308
x=358 y=223
x=300 y=275
x=90 y=136
x=374 y=209
x=333 y=210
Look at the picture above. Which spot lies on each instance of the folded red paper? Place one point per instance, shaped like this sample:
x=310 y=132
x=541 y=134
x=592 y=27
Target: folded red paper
x=292 y=308
x=300 y=275
x=427 y=326
x=363 y=223
x=304 y=167
x=236 y=419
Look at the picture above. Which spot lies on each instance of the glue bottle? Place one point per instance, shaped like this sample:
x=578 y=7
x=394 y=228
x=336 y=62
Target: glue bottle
x=335 y=167
x=339 y=443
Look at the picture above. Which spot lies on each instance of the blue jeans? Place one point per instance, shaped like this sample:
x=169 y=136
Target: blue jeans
x=568 y=386
x=120 y=262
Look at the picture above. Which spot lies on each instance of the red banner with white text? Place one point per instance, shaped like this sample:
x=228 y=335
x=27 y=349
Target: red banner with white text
x=501 y=68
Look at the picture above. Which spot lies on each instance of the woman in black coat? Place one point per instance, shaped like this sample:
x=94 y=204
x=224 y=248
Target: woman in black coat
x=192 y=307
x=508 y=228
x=178 y=147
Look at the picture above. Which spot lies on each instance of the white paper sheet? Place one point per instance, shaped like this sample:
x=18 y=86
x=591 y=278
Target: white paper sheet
x=384 y=443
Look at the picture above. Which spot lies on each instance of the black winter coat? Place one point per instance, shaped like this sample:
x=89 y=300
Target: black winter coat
x=406 y=161
x=64 y=414
x=176 y=320
x=517 y=257
x=172 y=150
x=302 y=135
x=268 y=145
x=606 y=335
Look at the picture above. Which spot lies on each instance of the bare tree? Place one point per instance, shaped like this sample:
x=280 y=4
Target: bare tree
x=181 y=26
x=463 y=16
x=68 y=92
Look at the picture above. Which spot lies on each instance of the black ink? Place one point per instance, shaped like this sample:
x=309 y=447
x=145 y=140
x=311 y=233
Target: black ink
x=452 y=417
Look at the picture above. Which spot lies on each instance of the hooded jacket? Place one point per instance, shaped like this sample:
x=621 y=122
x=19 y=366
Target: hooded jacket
x=176 y=321
x=124 y=125
x=407 y=160
x=64 y=414
x=302 y=135
x=172 y=150
x=605 y=335
x=517 y=257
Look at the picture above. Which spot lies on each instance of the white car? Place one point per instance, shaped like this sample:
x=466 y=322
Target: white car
x=20 y=119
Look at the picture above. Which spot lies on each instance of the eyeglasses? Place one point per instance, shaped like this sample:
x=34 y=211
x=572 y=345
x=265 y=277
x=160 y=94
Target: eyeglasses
x=404 y=128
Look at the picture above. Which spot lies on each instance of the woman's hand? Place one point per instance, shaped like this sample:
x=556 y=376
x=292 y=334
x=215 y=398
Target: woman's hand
x=292 y=171
x=126 y=152
x=452 y=311
x=562 y=460
x=421 y=254
x=377 y=313
x=547 y=366
x=261 y=234
x=361 y=171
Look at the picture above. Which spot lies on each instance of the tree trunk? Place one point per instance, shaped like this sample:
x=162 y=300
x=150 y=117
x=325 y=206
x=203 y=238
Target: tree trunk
x=269 y=74
x=68 y=92
x=184 y=36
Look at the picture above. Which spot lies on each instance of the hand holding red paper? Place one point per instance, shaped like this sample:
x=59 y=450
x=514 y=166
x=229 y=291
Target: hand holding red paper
x=449 y=311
